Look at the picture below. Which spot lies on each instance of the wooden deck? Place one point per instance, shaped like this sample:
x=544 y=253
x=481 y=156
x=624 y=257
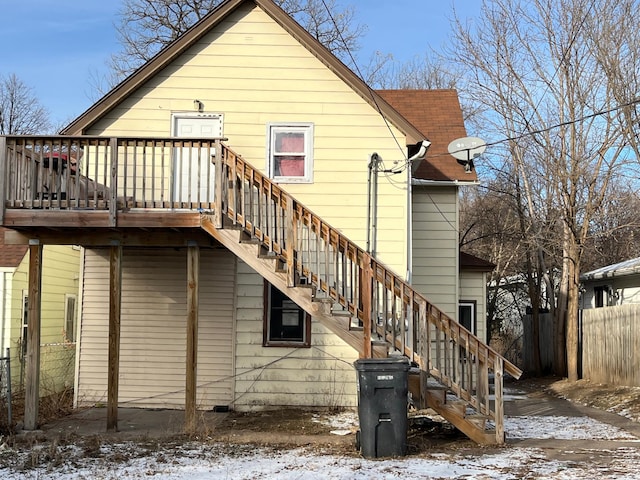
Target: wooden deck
x=142 y=191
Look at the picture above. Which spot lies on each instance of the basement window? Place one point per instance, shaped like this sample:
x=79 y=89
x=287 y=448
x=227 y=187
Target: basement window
x=285 y=323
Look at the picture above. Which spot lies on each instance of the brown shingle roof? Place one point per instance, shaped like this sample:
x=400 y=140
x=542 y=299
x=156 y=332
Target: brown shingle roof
x=471 y=262
x=437 y=114
x=10 y=255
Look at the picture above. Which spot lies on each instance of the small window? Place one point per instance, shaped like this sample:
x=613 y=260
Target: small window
x=290 y=153
x=286 y=324
x=599 y=295
x=70 y=318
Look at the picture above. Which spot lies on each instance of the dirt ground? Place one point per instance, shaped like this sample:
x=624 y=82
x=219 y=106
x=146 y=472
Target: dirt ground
x=288 y=428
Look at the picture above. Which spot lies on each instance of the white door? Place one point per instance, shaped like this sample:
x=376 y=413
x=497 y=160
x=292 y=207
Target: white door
x=193 y=168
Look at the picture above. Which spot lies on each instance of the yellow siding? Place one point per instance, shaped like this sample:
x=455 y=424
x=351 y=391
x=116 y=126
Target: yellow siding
x=254 y=72
x=322 y=375
x=435 y=246
x=153 y=328
x=60 y=273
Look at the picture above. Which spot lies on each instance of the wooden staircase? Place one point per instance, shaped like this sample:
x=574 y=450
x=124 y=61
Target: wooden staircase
x=358 y=298
x=353 y=294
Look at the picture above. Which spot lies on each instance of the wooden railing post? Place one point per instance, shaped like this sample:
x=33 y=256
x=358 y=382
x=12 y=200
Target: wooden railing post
x=291 y=233
x=367 y=277
x=498 y=393
x=113 y=206
x=219 y=192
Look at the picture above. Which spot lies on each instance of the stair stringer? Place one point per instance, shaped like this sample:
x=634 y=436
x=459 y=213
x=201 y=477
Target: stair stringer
x=266 y=267
x=457 y=416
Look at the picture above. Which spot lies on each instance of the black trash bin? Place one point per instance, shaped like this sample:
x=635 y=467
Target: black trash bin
x=382 y=406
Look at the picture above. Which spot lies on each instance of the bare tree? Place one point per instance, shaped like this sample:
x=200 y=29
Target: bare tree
x=147 y=26
x=534 y=74
x=20 y=111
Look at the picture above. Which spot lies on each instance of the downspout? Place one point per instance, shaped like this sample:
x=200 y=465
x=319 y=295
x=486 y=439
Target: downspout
x=412 y=165
x=409 y=274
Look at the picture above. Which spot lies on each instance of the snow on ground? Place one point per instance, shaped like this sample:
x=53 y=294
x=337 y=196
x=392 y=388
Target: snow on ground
x=195 y=461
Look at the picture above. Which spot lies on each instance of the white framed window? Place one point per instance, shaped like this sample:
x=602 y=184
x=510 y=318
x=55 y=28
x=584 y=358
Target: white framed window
x=290 y=152
x=70 y=302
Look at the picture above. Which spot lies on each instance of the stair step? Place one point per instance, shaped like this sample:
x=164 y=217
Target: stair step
x=264 y=253
x=246 y=238
x=479 y=420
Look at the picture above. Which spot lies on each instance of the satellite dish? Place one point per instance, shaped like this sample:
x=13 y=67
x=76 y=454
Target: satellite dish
x=467 y=148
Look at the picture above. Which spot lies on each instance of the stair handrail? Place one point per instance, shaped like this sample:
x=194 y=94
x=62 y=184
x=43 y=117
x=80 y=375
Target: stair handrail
x=279 y=224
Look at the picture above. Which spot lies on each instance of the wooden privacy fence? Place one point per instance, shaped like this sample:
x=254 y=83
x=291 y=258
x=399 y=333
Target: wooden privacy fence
x=546 y=342
x=611 y=345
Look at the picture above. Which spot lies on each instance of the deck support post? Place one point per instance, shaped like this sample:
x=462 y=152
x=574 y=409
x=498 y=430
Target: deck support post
x=115 y=298
x=193 y=269
x=32 y=374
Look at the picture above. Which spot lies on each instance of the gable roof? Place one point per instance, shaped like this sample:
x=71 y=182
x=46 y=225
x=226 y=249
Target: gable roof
x=437 y=114
x=419 y=114
x=622 y=269
x=81 y=124
x=10 y=255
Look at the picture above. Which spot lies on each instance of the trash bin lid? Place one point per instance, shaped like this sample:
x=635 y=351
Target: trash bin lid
x=383 y=364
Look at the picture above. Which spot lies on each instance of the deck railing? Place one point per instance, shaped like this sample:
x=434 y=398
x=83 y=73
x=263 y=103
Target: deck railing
x=118 y=174
x=99 y=173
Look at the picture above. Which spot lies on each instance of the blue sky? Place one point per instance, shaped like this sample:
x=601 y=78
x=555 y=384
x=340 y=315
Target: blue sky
x=57 y=46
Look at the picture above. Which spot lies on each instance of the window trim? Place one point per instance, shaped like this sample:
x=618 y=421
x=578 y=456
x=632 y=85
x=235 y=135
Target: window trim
x=474 y=314
x=24 y=323
x=308 y=130
x=67 y=297
x=266 y=342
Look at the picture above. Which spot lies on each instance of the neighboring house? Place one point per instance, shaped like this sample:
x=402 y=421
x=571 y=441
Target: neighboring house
x=257 y=267
x=617 y=284
x=60 y=280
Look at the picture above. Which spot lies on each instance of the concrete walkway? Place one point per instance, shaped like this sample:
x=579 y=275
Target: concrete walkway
x=538 y=403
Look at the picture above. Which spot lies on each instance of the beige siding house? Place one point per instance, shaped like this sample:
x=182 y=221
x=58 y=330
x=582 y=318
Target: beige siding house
x=254 y=219
x=249 y=74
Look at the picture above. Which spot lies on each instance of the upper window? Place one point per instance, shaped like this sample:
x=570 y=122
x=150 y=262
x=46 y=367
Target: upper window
x=291 y=153
x=286 y=324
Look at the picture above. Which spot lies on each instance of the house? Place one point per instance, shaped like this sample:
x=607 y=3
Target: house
x=617 y=284
x=60 y=277
x=237 y=251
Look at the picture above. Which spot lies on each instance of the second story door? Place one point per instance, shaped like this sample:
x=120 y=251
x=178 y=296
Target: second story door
x=193 y=177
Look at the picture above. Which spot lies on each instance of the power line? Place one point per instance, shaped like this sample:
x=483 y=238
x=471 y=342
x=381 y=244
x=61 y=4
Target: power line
x=357 y=68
